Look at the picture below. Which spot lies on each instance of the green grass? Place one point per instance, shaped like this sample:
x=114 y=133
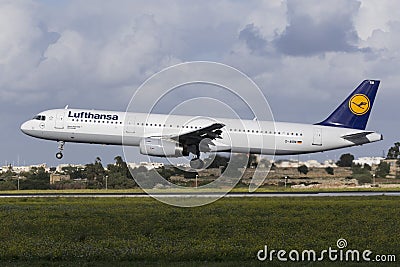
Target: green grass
x=241 y=188
x=100 y=232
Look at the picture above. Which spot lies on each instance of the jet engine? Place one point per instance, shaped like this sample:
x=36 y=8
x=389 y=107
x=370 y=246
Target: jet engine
x=160 y=147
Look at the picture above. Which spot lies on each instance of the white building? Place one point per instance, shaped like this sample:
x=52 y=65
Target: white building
x=147 y=165
x=368 y=160
x=309 y=163
x=19 y=169
x=60 y=167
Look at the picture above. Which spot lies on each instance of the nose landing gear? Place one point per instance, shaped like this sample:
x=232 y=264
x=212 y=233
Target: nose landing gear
x=59 y=154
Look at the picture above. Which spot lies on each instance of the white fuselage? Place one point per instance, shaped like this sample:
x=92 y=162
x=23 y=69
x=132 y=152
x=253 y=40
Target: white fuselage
x=241 y=136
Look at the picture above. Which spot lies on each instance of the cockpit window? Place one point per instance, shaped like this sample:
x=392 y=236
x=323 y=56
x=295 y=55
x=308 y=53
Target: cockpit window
x=39 y=117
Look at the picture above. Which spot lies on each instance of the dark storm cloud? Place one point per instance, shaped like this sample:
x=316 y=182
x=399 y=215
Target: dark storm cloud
x=47 y=39
x=306 y=35
x=92 y=55
x=253 y=39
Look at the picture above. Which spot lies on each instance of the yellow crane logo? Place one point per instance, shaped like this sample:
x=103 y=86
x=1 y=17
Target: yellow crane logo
x=359 y=104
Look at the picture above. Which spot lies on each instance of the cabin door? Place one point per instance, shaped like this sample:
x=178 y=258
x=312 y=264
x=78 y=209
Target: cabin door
x=317 y=139
x=59 y=120
x=130 y=124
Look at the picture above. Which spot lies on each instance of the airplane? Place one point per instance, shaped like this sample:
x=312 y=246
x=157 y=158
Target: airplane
x=176 y=136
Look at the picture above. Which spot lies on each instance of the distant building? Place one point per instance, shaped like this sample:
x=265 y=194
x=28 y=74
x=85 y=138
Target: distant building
x=287 y=163
x=309 y=163
x=394 y=170
x=54 y=178
x=368 y=160
x=147 y=165
x=19 y=169
x=60 y=167
x=329 y=163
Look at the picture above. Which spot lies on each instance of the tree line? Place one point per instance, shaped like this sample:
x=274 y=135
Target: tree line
x=91 y=176
x=119 y=176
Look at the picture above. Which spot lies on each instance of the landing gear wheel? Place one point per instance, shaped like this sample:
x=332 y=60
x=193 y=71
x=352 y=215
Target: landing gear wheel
x=196 y=163
x=59 y=154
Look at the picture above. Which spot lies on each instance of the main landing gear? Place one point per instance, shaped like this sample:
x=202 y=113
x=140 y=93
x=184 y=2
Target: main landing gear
x=59 y=154
x=196 y=162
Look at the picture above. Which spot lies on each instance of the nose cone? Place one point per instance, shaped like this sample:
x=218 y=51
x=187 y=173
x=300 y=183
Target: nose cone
x=25 y=128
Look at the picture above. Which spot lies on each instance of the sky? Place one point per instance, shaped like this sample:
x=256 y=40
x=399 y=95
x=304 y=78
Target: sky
x=305 y=56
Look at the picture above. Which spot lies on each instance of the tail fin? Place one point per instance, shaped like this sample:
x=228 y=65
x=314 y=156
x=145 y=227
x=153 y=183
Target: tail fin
x=354 y=111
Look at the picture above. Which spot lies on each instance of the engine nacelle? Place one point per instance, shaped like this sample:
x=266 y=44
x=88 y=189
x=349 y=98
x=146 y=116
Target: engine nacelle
x=160 y=147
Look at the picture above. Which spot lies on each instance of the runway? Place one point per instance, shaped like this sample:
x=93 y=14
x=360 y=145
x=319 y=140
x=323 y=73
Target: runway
x=206 y=195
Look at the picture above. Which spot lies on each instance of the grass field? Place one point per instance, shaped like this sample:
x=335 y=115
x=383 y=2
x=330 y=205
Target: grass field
x=242 y=189
x=144 y=232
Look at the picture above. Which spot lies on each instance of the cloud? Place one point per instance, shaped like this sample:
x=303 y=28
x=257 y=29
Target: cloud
x=254 y=41
x=329 y=30
x=23 y=42
x=375 y=15
x=93 y=54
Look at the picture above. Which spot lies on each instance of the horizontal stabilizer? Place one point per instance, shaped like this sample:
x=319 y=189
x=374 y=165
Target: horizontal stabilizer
x=363 y=137
x=356 y=136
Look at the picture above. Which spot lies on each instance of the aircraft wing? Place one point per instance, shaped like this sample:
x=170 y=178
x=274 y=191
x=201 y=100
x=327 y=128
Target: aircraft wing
x=201 y=137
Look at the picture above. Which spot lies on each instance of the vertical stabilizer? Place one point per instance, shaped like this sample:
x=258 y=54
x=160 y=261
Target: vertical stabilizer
x=354 y=111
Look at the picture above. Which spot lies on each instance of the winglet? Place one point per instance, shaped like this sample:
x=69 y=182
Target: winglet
x=355 y=110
